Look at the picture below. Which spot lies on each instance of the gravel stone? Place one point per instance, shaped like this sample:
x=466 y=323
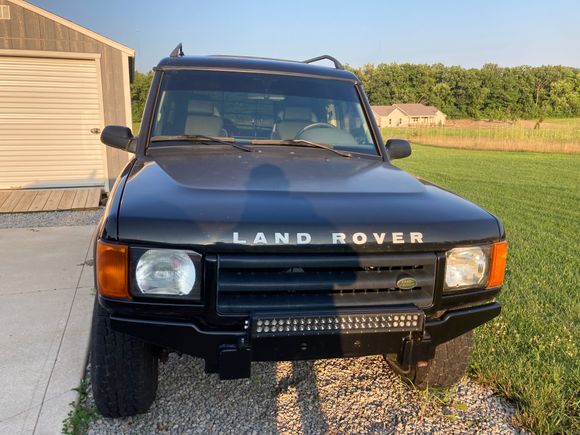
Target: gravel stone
x=50 y=219
x=351 y=395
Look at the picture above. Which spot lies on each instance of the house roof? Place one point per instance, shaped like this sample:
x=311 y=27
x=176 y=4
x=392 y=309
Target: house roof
x=74 y=26
x=412 y=109
x=416 y=109
x=383 y=110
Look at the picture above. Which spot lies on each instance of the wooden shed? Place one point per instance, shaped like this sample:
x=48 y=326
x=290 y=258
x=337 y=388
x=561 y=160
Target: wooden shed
x=60 y=84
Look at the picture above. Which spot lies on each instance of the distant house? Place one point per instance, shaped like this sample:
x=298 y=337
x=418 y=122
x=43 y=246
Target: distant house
x=408 y=115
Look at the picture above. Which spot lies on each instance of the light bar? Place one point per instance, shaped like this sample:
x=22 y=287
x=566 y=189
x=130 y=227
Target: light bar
x=337 y=324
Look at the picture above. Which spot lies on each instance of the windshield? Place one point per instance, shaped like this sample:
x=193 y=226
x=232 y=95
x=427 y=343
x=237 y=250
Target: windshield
x=253 y=106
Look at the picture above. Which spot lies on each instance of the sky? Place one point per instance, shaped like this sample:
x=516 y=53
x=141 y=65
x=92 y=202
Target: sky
x=463 y=32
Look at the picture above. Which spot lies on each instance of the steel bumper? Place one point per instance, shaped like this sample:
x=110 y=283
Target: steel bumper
x=230 y=353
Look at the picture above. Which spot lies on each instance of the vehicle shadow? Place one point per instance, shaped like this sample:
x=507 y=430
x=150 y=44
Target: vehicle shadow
x=308 y=393
x=279 y=398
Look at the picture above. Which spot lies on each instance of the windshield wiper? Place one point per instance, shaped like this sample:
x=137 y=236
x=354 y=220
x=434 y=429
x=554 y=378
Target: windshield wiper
x=300 y=142
x=200 y=138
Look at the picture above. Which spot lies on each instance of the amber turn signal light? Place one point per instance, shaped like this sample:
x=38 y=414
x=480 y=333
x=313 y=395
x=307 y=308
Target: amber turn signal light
x=112 y=265
x=498 y=263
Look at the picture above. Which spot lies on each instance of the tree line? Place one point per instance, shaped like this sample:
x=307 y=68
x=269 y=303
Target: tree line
x=490 y=92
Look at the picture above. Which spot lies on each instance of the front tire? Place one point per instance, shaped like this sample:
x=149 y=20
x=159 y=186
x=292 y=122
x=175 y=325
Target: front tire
x=445 y=370
x=124 y=369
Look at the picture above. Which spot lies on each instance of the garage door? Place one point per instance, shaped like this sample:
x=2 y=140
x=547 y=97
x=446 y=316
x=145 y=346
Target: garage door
x=47 y=110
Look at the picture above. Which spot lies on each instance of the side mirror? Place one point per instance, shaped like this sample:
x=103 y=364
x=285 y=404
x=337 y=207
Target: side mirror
x=398 y=148
x=118 y=136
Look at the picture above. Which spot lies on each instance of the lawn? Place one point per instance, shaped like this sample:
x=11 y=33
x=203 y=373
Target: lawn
x=553 y=135
x=530 y=353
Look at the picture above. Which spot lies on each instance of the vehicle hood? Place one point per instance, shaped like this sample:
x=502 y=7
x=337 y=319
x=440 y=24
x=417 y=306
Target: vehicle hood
x=220 y=201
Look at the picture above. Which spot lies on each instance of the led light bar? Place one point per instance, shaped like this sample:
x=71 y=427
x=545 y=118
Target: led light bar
x=337 y=324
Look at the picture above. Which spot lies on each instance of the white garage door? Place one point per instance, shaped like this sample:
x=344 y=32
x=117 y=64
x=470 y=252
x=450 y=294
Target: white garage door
x=47 y=110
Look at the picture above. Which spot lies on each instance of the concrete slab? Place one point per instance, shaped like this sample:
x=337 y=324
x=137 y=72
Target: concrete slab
x=70 y=363
x=33 y=324
x=87 y=275
x=13 y=425
x=40 y=259
x=45 y=317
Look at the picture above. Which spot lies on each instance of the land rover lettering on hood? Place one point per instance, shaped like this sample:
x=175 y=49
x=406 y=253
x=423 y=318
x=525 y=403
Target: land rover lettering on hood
x=261 y=219
x=358 y=238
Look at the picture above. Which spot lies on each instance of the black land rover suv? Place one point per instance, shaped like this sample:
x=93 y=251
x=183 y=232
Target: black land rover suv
x=262 y=220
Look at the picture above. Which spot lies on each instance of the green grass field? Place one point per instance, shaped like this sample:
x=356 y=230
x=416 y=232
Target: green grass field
x=530 y=353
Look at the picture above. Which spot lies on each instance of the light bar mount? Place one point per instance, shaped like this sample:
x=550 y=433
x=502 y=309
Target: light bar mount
x=177 y=51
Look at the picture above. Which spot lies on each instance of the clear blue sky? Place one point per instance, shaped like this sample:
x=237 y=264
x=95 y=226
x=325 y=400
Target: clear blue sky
x=462 y=32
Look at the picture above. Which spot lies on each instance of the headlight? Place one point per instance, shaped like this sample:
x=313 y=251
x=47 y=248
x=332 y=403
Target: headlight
x=467 y=267
x=167 y=272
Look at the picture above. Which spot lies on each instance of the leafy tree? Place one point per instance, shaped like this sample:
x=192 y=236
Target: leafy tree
x=564 y=97
x=139 y=91
x=492 y=92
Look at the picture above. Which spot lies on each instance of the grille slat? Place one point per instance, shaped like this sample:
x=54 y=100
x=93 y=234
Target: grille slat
x=255 y=261
x=253 y=283
x=270 y=282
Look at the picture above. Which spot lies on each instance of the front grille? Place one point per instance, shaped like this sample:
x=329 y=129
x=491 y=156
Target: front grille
x=252 y=283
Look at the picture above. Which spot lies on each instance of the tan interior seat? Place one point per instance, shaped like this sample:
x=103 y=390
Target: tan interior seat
x=293 y=120
x=202 y=119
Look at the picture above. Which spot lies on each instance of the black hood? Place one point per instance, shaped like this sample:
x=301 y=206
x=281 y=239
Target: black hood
x=219 y=199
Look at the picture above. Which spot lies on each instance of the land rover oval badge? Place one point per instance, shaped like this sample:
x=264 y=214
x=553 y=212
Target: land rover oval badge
x=406 y=283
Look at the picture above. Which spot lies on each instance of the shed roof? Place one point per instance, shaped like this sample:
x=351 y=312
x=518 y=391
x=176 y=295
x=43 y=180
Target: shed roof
x=74 y=26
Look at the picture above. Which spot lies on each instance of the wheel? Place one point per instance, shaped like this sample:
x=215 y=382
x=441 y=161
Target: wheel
x=445 y=369
x=124 y=369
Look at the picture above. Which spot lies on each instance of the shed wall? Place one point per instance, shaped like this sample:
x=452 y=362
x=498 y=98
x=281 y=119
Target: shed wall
x=28 y=30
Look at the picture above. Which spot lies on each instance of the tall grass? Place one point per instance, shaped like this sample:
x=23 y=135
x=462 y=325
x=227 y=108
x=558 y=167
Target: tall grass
x=562 y=136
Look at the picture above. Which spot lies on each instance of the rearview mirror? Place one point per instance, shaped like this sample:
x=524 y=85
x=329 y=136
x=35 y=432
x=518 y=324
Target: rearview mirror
x=118 y=136
x=398 y=148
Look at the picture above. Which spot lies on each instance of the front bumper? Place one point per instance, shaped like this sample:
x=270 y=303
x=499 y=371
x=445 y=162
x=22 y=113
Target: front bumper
x=230 y=353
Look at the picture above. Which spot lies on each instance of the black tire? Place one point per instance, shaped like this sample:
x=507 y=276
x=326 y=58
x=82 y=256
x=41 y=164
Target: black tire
x=124 y=369
x=445 y=370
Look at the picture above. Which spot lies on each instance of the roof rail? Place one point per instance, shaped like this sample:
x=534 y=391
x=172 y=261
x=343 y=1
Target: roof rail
x=235 y=56
x=177 y=51
x=336 y=63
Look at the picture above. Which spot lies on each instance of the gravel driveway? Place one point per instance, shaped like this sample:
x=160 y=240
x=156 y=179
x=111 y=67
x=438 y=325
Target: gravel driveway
x=50 y=219
x=339 y=395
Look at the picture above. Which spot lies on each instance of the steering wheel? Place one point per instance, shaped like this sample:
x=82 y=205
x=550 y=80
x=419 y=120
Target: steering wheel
x=314 y=125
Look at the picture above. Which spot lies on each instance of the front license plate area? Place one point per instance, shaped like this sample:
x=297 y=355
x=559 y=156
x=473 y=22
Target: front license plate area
x=270 y=325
